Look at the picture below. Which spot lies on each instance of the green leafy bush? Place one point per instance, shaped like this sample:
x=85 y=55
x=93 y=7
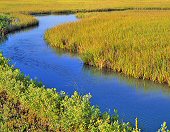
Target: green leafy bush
x=26 y=105
x=5 y=21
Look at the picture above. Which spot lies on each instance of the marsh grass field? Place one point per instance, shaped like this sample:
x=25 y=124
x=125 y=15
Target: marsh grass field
x=135 y=43
x=46 y=6
x=133 y=38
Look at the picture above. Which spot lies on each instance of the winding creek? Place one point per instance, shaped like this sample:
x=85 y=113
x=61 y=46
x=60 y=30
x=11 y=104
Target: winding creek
x=28 y=51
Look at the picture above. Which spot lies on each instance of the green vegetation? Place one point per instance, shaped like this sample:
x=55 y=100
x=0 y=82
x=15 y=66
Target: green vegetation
x=27 y=105
x=163 y=128
x=15 y=21
x=5 y=21
x=136 y=43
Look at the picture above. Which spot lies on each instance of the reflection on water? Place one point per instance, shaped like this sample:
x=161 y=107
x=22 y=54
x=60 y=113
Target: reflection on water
x=138 y=84
x=3 y=39
x=24 y=29
x=132 y=97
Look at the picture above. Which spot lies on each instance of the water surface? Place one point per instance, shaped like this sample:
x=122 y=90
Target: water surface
x=148 y=101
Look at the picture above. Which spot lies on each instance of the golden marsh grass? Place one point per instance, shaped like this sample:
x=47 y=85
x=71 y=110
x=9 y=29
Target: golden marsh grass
x=39 y=6
x=136 y=43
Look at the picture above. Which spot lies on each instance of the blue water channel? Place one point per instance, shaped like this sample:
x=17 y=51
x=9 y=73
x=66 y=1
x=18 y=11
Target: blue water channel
x=28 y=51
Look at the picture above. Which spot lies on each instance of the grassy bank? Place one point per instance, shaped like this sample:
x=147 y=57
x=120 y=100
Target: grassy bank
x=14 y=21
x=20 y=21
x=135 y=43
x=32 y=6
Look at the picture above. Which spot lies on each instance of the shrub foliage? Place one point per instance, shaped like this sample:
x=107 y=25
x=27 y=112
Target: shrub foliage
x=27 y=105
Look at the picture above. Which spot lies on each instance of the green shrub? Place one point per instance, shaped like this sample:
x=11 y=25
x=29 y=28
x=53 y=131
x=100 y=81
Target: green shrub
x=5 y=21
x=27 y=105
